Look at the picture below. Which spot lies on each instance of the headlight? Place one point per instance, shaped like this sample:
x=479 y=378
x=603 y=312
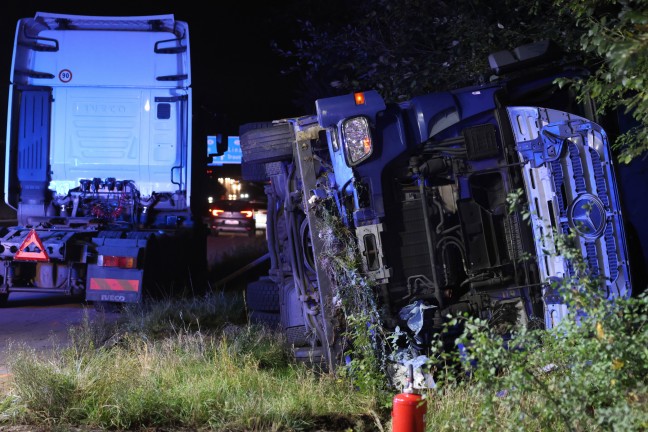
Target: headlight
x=356 y=137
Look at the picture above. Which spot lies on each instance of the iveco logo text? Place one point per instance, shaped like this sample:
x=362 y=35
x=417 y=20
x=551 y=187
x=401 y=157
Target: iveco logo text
x=587 y=216
x=114 y=298
x=102 y=109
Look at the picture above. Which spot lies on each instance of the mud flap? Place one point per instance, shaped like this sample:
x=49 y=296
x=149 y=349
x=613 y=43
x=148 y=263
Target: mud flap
x=110 y=284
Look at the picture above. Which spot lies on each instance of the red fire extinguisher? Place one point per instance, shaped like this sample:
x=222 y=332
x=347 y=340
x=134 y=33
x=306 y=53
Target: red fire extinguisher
x=409 y=408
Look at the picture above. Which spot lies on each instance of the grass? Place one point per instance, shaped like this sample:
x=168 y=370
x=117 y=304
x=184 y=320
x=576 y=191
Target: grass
x=237 y=377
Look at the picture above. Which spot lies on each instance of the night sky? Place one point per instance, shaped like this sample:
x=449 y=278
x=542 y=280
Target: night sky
x=235 y=75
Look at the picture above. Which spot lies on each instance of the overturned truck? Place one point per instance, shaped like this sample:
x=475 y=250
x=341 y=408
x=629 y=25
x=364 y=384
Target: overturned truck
x=423 y=187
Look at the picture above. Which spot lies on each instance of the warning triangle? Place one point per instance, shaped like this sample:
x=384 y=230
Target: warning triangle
x=38 y=255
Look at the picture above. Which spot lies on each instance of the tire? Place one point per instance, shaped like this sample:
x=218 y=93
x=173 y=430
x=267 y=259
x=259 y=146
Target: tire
x=296 y=336
x=262 y=296
x=274 y=168
x=253 y=172
x=266 y=142
x=3 y=299
x=268 y=319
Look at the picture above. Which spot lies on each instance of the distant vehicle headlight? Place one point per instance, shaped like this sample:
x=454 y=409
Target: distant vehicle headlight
x=356 y=137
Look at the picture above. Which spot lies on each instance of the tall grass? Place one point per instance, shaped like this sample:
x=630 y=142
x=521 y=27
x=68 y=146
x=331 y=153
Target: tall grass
x=237 y=377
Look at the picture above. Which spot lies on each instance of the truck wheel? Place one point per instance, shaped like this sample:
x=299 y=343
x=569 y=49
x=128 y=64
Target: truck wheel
x=266 y=142
x=253 y=172
x=3 y=299
x=268 y=319
x=262 y=295
x=274 y=168
x=296 y=336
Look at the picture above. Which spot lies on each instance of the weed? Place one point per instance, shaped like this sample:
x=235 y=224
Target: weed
x=235 y=380
x=359 y=320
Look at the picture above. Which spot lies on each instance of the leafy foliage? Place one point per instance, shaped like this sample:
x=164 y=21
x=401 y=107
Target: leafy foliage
x=616 y=35
x=587 y=373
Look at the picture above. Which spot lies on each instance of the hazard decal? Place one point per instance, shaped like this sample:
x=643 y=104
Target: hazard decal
x=110 y=284
x=32 y=249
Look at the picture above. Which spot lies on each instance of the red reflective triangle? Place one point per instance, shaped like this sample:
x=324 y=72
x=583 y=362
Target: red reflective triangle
x=40 y=255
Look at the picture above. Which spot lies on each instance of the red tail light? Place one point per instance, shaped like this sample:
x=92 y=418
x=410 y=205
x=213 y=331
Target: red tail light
x=216 y=212
x=116 y=261
x=247 y=213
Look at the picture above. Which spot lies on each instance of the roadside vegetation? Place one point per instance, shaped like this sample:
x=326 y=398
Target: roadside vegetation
x=191 y=364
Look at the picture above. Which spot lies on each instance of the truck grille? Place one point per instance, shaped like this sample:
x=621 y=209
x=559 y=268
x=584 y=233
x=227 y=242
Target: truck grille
x=569 y=179
x=580 y=168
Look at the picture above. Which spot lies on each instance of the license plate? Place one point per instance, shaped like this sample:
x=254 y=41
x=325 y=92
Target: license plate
x=231 y=222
